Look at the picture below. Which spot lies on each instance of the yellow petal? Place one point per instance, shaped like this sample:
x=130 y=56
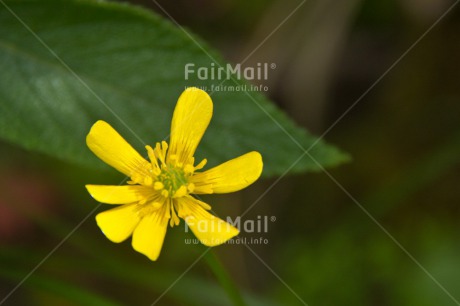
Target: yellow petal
x=110 y=147
x=149 y=235
x=191 y=117
x=230 y=176
x=118 y=223
x=209 y=229
x=119 y=194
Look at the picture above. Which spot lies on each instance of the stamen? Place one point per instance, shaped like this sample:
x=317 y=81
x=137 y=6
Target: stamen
x=201 y=164
x=183 y=211
x=152 y=157
x=182 y=191
x=148 y=181
x=164 y=146
x=159 y=153
x=189 y=168
x=174 y=218
x=169 y=175
x=173 y=159
x=137 y=179
x=167 y=210
x=164 y=149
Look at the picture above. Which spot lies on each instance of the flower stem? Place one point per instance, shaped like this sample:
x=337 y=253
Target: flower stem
x=224 y=278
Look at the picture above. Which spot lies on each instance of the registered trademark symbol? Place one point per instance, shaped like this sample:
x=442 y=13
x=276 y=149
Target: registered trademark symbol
x=273 y=66
x=273 y=218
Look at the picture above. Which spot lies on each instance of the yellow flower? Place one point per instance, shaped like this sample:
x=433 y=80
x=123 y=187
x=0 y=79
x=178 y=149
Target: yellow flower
x=160 y=190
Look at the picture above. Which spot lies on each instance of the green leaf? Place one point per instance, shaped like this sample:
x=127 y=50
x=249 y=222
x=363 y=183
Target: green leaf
x=66 y=64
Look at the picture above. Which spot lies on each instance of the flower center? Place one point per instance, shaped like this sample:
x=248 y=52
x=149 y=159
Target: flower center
x=169 y=177
x=172 y=179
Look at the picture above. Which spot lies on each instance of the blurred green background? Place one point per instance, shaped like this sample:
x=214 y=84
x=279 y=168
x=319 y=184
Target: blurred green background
x=403 y=136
